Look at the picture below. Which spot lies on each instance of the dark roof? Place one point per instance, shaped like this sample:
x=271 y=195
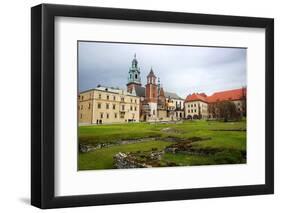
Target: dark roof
x=140 y=91
x=151 y=73
x=172 y=95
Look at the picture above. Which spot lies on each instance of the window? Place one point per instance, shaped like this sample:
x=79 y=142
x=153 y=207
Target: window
x=194 y=105
x=195 y=110
x=122 y=99
x=82 y=97
x=99 y=96
x=114 y=98
x=81 y=115
x=122 y=115
x=238 y=103
x=99 y=105
x=113 y=106
x=123 y=107
x=89 y=107
x=107 y=115
x=81 y=106
x=188 y=106
x=131 y=100
x=115 y=115
x=107 y=97
x=101 y=115
x=107 y=106
x=131 y=108
x=188 y=111
x=192 y=111
x=135 y=100
x=191 y=105
x=135 y=108
x=136 y=76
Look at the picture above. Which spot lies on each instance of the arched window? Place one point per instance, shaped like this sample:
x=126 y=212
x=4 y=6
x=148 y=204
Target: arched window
x=136 y=76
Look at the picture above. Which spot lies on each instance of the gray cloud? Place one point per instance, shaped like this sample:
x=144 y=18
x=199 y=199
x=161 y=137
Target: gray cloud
x=182 y=69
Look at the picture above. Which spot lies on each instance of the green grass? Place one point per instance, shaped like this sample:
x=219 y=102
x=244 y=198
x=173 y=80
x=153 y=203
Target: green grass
x=115 y=132
x=228 y=139
x=187 y=160
x=222 y=157
x=103 y=158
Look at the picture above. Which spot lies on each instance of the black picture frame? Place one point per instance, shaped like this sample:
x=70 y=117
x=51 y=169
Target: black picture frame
x=43 y=105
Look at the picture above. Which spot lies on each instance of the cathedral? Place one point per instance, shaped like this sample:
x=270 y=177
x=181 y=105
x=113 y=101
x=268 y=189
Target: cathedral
x=155 y=103
x=150 y=102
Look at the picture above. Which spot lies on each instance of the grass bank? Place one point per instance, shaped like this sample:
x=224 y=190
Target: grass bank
x=225 y=141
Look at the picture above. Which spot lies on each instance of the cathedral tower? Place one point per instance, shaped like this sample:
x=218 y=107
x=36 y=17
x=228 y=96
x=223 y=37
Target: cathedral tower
x=151 y=94
x=134 y=79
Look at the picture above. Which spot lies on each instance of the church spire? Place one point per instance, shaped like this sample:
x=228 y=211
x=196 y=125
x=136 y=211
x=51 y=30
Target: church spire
x=135 y=61
x=151 y=73
x=134 y=78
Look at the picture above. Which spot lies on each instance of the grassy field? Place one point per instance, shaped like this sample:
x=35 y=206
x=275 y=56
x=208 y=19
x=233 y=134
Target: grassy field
x=212 y=142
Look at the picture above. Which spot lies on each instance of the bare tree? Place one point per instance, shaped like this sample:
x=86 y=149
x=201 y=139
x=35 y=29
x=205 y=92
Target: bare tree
x=224 y=110
x=244 y=102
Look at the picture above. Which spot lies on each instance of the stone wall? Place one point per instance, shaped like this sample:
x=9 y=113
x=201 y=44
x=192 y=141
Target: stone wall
x=137 y=160
x=124 y=161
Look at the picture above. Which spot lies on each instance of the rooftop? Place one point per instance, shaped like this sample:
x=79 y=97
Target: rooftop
x=115 y=90
x=235 y=94
x=196 y=97
x=172 y=95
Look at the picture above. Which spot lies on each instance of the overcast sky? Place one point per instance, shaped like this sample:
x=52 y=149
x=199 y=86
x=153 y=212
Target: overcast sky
x=182 y=69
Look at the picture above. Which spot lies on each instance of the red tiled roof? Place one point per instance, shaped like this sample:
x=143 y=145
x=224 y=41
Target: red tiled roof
x=196 y=97
x=228 y=95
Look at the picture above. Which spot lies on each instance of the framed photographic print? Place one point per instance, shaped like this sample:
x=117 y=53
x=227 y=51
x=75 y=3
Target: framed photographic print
x=139 y=106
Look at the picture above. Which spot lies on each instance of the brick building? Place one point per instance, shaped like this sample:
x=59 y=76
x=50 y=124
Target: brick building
x=156 y=104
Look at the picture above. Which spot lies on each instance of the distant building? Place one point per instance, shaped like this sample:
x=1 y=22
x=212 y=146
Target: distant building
x=196 y=106
x=199 y=105
x=155 y=103
x=175 y=105
x=108 y=105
